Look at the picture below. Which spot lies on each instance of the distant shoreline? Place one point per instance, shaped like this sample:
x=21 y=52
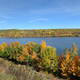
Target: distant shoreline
x=32 y=37
x=15 y=33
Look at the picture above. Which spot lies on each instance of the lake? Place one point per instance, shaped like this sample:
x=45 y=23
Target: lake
x=59 y=42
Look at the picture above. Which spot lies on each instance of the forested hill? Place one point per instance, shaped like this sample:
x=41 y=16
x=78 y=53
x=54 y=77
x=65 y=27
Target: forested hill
x=15 y=33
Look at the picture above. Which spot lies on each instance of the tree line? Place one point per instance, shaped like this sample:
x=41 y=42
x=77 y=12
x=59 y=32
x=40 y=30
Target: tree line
x=15 y=33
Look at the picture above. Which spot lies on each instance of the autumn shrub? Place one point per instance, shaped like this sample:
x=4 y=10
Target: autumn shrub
x=1 y=48
x=8 y=52
x=72 y=51
x=67 y=60
x=65 y=65
x=42 y=45
x=48 y=59
x=29 y=46
x=24 y=50
x=4 y=44
x=16 y=44
x=35 y=47
x=74 y=68
x=21 y=56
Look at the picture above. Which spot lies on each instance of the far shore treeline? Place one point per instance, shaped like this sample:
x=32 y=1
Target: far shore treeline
x=15 y=33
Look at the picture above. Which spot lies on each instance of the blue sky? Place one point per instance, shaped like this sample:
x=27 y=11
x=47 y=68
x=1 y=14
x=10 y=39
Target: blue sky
x=39 y=14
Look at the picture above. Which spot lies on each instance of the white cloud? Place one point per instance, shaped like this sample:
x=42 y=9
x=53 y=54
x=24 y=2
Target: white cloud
x=2 y=21
x=40 y=19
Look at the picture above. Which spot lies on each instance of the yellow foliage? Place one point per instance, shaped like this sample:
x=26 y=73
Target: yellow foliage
x=48 y=47
x=25 y=51
x=43 y=45
x=28 y=43
x=21 y=58
x=64 y=74
x=29 y=46
x=4 y=44
x=65 y=65
x=1 y=47
x=16 y=44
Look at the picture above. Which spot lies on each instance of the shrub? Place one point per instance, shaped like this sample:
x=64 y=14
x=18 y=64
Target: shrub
x=68 y=59
x=16 y=44
x=1 y=48
x=65 y=65
x=29 y=60
x=4 y=44
x=48 y=59
x=43 y=45
x=29 y=46
x=21 y=56
x=8 y=52
x=35 y=47
x=74 y=68
x=33 y=55
x=72 y=51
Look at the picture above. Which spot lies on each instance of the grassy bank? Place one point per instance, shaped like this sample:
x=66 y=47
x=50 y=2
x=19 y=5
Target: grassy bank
x=12 y=71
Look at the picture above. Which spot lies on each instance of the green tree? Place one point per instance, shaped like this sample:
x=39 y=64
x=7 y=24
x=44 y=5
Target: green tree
x=49 y=59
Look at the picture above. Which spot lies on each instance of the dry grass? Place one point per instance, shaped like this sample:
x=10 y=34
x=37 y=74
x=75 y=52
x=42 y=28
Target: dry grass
x=11 y=71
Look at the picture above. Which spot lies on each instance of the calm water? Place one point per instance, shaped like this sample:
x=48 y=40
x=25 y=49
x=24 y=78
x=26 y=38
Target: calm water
x=59 y=42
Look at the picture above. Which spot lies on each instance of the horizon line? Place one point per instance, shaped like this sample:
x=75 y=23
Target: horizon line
x=38 y=29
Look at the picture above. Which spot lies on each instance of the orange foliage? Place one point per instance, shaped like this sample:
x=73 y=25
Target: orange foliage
x=33 y=55
x=75 y=66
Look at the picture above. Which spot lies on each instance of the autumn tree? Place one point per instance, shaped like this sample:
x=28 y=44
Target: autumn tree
x=22 y=56
x=4 y=44
x=43 y=45
x=29 y=46
x=16 y=44
x=1 y=47
x=33 y=55
x=68 y=59
x=65 y=65
x=74 y=68
x=48 y=59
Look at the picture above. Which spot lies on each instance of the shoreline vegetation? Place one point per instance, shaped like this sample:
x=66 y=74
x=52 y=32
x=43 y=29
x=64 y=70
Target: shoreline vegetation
x=39 y=58
x=15 y=33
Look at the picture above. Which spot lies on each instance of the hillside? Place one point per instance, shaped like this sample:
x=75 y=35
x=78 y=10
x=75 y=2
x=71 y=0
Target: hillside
x=15 y=33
